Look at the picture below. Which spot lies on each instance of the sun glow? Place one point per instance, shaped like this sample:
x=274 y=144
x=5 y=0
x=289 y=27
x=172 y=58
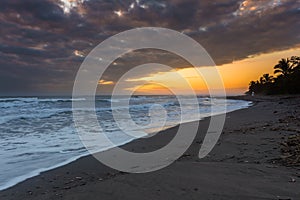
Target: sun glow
x=236 y=75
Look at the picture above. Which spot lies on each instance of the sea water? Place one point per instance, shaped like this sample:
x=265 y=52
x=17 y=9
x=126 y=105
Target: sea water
x=38 y=133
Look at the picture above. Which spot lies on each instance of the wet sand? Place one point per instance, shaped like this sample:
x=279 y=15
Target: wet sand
x=245 y=164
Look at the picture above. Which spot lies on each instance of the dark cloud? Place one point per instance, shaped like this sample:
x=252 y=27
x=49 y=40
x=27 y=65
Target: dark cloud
x=39 y=38
x=34 y=9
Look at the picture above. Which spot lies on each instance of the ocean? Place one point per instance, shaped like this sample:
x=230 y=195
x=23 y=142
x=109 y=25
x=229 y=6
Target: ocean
x=38 y=133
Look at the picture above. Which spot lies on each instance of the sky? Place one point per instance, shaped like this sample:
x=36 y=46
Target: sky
x=44 y=42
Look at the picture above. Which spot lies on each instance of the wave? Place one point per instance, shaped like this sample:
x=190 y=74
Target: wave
x=108 y=100
x=42 y=113
x=61 y=100
x=19 y=102
x=36 y=99
x=19 y=179
x=72 y=150
x=36 y=172
x=24 y=99
x=11 y=102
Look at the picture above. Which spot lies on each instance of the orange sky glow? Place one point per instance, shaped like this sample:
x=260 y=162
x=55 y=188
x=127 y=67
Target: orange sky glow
x=236 y=75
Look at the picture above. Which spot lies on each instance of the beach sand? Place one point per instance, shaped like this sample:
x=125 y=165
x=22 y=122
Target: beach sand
x=245 y=164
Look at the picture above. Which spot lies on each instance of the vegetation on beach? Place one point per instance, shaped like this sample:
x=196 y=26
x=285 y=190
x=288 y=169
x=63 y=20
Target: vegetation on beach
x=287 y=80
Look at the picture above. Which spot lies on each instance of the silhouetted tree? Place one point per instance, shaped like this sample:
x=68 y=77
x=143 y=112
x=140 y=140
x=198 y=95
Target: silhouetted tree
x=287 y=82
x=284 y=67
x=296 y=62
x=267 y=78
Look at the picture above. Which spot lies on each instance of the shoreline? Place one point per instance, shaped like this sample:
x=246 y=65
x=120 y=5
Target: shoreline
x=17 y=180
x=86 y=171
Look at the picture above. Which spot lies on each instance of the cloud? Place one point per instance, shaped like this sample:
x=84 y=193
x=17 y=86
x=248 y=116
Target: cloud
x=43 y=42
x=104 y=82
x=34 y=9
x=257 y=7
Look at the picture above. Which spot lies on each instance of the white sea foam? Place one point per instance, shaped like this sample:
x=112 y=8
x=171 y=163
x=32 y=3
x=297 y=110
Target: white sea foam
x=37 y=134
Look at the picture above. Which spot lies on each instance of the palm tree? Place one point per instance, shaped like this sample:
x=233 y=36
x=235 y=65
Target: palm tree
x=267 y=78
x=296 y=62
x=261 y=80
x=284 y=67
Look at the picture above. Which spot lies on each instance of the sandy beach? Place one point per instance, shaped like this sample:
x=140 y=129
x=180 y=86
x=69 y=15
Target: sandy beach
x=245 y=164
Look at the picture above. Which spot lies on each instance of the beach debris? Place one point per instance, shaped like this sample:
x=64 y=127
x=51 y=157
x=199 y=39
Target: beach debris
x=185 y=155
x=83 y=183
x=67 y=188
x=292 y=180
x=199 y=142
x=290 y=150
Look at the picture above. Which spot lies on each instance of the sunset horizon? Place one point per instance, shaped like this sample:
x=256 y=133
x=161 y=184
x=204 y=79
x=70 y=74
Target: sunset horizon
x=149 y=99
x=247 y=70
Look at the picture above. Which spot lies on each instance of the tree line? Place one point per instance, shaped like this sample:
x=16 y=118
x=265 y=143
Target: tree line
x=285 y=81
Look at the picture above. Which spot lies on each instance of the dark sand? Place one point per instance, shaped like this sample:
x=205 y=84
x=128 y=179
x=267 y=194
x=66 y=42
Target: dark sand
x=244 y=165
